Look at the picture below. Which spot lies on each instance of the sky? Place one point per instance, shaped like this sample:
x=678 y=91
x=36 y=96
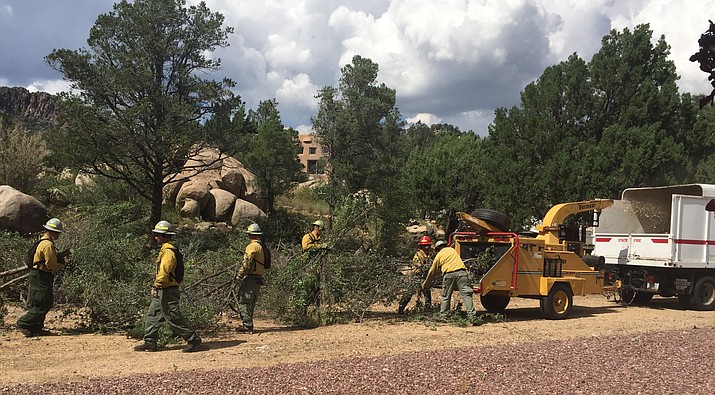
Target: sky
x=450 y=61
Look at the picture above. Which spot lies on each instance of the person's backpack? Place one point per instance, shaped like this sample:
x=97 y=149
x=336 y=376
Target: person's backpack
x=266 y=255
x=30 y=255
x=178 y=274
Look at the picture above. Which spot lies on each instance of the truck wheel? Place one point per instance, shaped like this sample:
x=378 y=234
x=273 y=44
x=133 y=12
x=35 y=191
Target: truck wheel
x=558 y=304
x=494 y=303
x=703 y=297
x=493 y=217
x=632 y=296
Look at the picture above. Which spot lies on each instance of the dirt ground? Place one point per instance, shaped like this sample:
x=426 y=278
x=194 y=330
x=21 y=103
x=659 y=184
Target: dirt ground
x=69 y=356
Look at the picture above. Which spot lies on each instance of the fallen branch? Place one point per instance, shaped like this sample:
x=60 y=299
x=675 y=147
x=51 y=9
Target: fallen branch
x=14 y=280
x=13 y=271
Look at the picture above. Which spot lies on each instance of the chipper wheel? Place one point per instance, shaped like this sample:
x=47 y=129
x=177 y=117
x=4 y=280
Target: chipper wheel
x=494 y=303
x=558 y=304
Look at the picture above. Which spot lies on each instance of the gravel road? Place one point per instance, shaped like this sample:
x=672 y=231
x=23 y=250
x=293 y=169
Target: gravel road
x=669 y=362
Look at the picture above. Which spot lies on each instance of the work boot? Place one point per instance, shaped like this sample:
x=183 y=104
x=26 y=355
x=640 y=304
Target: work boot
x=26 y=332
x=245 y=329
x=146 y=346
x=401 y=309
x=192 y=345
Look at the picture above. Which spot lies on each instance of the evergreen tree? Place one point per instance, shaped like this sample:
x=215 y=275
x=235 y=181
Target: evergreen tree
x=137 y=101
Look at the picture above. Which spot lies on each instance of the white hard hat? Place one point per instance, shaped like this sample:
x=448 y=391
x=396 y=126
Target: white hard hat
x=54 y=225
x=164 y=228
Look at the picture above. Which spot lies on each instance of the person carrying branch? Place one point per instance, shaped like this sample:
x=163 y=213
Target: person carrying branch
x=165 y=295
x=45 y=262
x=250 y=278
x=455 y=277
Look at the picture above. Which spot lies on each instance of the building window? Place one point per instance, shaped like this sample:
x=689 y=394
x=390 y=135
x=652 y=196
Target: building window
x=312 y=150
x=325 y=151
x=312 y=167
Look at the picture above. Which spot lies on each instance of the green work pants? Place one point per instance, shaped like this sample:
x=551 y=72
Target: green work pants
x=40 y=300
x=457 y=281
x=163 y=309
x=248 y=294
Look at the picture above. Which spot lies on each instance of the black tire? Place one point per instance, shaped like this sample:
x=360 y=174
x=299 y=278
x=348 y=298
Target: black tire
x=559 y=303
x=703 y=297
x=494 y=303
x=632 y=296
x=494 y=218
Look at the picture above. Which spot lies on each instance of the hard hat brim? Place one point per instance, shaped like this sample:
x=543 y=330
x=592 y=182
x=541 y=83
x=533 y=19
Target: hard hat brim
x=52 y=229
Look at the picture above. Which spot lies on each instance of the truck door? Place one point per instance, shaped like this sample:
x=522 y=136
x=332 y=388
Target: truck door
x=693 y=232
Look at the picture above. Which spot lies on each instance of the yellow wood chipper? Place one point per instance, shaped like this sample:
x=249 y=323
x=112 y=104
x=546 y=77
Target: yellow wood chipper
x=552 y=264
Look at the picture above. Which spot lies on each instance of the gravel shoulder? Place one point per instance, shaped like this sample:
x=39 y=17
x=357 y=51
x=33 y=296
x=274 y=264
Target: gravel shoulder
x=385 y=345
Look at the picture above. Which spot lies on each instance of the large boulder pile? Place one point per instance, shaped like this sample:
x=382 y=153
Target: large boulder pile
x=20 y=212
x=213 y=187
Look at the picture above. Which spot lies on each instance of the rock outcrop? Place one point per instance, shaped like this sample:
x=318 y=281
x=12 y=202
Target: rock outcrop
x=20 y=212
x=214 y=188
x=26 y=105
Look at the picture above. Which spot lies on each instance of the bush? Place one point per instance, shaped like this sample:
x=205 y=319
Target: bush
x=21 y=157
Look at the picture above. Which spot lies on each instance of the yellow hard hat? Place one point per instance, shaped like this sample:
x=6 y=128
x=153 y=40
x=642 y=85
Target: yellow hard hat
x=319 y=223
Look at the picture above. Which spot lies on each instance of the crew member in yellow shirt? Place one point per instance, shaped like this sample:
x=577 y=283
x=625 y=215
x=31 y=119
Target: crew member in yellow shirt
x=165 y=294
x=448 y=263
x=250 y=278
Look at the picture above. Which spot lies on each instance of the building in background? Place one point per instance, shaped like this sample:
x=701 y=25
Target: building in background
x=311 y=154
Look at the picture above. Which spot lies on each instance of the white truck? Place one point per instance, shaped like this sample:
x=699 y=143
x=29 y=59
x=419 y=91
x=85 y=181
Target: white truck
x=660 y=240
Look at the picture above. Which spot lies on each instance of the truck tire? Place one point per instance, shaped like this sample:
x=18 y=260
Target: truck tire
x=494 y=218
x=494 y=303
x=703 y=297
x=559 y=303
x=632 y=296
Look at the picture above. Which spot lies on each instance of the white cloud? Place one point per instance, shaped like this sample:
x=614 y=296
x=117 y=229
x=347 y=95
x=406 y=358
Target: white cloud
x=427 y=119
x=5 y=10
x=49 y=86
x=454 y=60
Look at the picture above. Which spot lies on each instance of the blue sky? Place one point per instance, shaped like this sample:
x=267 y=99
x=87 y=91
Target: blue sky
x=452 y=61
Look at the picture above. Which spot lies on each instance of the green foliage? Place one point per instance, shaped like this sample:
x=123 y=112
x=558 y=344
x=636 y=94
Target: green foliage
x=359 y=124
x=304 y=199
x=271 y=154
x=446 y=174
x=587 y=131
x=21 y=156
x=332 y=285
x=140 y=96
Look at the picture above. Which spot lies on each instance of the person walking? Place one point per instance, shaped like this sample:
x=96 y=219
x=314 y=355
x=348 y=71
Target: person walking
x=165 y=295
x=250 y=278
x=418 y=272
x=448 y=263
x=45 y=263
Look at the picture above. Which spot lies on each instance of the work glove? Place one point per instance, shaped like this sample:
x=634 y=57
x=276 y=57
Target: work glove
x=154 y=293
x=238 y=280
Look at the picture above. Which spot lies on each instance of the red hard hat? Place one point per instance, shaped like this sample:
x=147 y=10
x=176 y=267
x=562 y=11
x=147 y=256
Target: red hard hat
x=425 y=241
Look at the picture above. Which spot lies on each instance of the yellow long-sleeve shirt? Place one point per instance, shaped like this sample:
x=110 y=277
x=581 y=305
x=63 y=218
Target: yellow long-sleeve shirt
x=446 y=261
x=46 y=252
x=419 y=261
x=311 y=241
x=253 y=260
x=165 y=266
